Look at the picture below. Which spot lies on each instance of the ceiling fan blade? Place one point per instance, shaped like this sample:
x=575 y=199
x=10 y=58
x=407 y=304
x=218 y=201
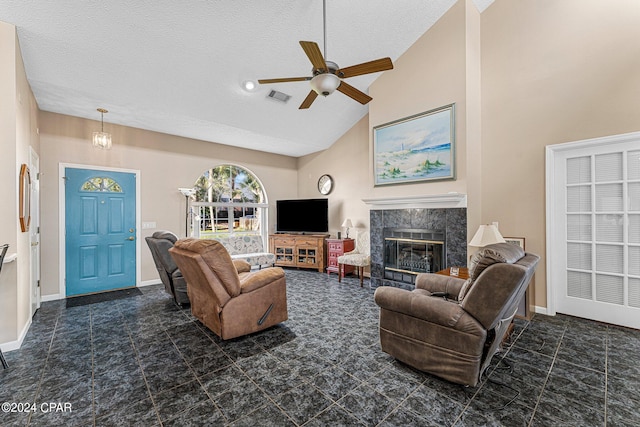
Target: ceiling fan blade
x=284 y=80
x=315 y=56
x=308 y=100
x=354 y=93
x=374 y=66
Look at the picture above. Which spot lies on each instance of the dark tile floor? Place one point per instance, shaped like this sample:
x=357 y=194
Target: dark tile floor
x=143 y=361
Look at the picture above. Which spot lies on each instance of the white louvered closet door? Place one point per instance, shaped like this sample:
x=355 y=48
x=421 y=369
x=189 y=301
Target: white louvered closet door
x=597 y=256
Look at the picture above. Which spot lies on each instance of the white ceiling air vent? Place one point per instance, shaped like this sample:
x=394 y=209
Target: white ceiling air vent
x=278 y=96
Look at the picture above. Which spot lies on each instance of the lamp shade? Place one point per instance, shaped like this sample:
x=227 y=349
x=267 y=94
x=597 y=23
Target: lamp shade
x=347 y=223
x=187 y=192
x=486 y=235
x=325 y=84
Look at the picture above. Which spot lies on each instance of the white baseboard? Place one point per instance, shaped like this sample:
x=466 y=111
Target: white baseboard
x=540 y=310
x=15 y=345
x=53 y=297
x=149 y=282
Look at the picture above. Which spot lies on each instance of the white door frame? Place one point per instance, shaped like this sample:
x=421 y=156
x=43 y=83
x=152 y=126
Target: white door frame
x=552 y=248
x=62 y=289
x=34 y=232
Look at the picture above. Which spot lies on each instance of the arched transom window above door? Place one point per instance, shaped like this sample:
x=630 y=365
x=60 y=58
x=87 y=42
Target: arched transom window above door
x=100 y=184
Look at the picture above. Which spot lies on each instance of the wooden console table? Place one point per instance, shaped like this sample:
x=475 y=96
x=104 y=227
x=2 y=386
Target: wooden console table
x=299 y=250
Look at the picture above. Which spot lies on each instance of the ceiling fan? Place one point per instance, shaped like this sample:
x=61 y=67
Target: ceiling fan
x=326 y=76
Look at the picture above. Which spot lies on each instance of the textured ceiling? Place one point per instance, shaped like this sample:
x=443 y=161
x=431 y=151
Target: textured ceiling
x=177 y=67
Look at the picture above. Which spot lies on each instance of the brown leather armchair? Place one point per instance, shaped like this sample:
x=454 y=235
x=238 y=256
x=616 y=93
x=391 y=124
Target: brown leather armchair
x=450 y=327
x=225 y=295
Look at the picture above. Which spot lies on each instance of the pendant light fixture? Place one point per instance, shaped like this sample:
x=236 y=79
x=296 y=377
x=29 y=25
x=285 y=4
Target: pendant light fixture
x=102 y=139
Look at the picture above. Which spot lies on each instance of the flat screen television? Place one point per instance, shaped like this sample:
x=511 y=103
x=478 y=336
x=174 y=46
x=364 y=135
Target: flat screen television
x=302 y=216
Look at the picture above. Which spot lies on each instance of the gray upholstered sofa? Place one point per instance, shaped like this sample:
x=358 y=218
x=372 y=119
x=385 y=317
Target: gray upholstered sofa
x=248 y=248
x=159 y=244
x=450 y=327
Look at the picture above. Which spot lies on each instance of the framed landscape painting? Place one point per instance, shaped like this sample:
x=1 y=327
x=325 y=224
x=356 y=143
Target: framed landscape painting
x=416 y=148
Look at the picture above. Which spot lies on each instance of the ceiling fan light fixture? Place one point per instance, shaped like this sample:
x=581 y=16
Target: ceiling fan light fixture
x=325 y=84
x=327 y=76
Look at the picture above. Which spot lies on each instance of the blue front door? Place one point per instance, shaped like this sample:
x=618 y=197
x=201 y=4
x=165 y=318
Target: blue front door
x=100 y=218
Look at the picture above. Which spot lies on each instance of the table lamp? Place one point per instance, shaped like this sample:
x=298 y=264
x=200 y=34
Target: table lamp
x=347 y=224
x=487 y=234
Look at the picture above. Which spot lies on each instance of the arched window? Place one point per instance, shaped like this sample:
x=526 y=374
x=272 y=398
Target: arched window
x=229 y=199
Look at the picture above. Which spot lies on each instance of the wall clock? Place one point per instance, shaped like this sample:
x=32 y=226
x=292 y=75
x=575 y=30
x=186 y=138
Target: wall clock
x=325 y=184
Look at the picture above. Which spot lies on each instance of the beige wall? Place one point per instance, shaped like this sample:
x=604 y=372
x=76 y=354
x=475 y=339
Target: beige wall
x=523 y=75
x=346 y=161
x=165 y=163
x=568 y=70
x=18 y=124
x=429 y=75
x=9 y=177
x=432 y=73
x=473 y=119
x=27 y=139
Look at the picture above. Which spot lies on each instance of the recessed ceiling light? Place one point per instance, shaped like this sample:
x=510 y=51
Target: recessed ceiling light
x=249 y=85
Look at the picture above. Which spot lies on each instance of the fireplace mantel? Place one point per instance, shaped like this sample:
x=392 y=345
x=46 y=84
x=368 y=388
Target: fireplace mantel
x=429 y=201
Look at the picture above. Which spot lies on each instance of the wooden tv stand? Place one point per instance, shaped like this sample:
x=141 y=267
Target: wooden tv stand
x=299 y=250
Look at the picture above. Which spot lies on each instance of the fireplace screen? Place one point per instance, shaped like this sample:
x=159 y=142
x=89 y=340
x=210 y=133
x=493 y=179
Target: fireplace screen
x=412 y=256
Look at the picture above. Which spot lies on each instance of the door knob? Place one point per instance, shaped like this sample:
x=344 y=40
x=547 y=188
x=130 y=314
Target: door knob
x=131 y=238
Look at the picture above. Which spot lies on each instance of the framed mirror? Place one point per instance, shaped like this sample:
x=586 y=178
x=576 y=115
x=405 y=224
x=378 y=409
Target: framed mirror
x=25 y=198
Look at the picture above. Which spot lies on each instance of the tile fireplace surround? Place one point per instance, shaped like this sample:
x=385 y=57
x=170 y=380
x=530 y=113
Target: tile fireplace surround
x=453 y=221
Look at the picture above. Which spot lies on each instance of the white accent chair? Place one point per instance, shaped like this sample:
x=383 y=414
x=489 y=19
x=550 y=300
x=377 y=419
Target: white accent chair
x=360 y=257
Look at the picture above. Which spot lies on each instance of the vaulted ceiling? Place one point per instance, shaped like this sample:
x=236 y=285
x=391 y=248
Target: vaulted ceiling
x=178 y=67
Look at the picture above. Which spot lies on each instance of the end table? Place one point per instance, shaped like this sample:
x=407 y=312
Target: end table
x=336 y=248
x=463 y=272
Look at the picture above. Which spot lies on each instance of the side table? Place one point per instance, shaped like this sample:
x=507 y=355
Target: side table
x=463 y=272
x=336 y=248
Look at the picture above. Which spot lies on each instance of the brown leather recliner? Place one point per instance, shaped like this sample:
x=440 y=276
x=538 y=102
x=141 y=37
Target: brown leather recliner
x=159 y=244
x=450 y=327
x=225 y=295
